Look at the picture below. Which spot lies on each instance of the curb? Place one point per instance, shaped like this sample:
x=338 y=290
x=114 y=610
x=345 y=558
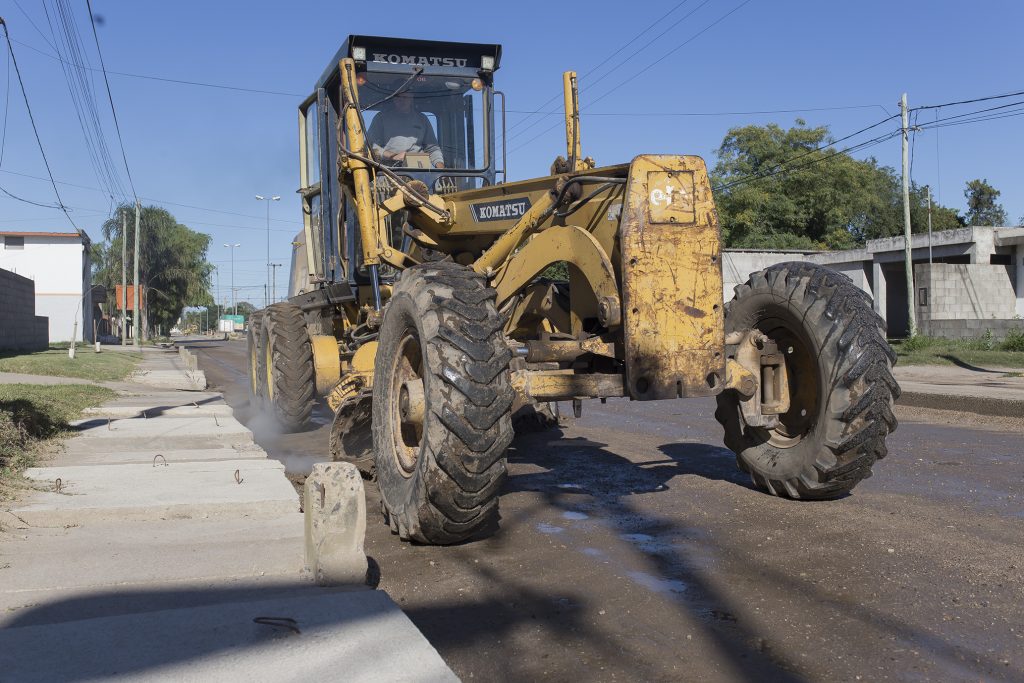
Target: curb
x=999 y=407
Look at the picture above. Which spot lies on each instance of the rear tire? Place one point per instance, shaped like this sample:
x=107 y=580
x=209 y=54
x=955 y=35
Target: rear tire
x=840 y=377
x=441 y=339
x=288 y=387
x=256 y=380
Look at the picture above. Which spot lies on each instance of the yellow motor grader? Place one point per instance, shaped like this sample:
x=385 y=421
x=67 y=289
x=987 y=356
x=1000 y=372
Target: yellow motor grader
x=432 y=300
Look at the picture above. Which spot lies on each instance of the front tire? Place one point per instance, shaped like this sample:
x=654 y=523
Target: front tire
x=840 y=379
x=288 y=388
x=442 y=402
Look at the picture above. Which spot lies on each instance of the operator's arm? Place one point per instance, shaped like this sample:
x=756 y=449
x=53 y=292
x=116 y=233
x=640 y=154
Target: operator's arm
x=430 y=145
x=375 y=136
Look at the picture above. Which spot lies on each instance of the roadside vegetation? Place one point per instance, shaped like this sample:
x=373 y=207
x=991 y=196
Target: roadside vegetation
x=31 y=414
x=87 y=364
x=983 y=352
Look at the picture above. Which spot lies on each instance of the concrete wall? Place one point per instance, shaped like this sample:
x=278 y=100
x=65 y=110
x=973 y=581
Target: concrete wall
x=971 y=329
x=59 y=266
x=20 y=328
x=962 y=291
x=738 y=264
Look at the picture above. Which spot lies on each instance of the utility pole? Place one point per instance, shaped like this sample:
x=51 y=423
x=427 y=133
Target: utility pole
x=216 y=302
x=124 y=278
x=136 y=311
x=261 y=198
x=907 y=255
x=234 y=305
x=929 y=188
x=273 y=292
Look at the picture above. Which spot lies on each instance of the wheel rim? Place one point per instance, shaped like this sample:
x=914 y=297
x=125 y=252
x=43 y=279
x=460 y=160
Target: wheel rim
x=254 y=367
x=268 y=360
x=408 y=405
x=805 y=384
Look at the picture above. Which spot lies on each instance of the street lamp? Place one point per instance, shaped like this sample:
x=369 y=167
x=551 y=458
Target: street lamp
x=261 y=198
x=234 y=305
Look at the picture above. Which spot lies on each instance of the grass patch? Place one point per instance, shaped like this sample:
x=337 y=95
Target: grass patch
x=30 y=414
x=982 y=352
x=87 y=364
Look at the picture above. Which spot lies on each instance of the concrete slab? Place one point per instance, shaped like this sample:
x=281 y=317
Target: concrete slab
x=92 y=493
x=43 y=564
x=140 y=433
x=147 y=456
x=150 y=412
x=351 y=636
x=171 y=378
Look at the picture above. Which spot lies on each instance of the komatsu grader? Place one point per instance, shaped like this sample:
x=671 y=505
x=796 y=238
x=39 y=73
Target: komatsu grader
x=432 y=299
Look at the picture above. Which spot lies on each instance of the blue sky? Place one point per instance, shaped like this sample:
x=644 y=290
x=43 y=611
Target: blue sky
x=203 y=153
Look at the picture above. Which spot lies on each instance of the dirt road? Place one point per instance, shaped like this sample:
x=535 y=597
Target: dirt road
x=631 y=548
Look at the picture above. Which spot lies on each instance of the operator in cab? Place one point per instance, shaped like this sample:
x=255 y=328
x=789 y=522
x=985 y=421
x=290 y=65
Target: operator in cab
x=399 y=133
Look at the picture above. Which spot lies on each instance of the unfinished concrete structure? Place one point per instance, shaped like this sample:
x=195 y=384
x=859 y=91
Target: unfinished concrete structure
x=974 y=285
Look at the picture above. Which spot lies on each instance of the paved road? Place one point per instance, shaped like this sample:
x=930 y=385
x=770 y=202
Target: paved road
x=631 y=548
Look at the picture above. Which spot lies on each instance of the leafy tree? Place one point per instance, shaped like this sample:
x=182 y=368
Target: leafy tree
x=982 y=207
x=173 y=269
x=778 y=189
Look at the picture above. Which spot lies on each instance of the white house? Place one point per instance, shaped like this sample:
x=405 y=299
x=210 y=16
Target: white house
x=59 y=264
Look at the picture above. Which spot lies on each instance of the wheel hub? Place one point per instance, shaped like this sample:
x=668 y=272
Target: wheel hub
x=408 y=403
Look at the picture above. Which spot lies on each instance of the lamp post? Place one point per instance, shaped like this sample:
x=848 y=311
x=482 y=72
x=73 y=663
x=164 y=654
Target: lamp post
x=275 y=198
x=234 y=306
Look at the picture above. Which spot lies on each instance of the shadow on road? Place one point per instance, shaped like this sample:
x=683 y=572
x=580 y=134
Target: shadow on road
x=586 y=467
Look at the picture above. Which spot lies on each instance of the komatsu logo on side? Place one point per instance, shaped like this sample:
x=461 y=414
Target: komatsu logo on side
x=507 y=209
x=414 y=60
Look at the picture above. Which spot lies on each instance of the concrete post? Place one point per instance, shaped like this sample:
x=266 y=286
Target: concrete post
x=334 y=505
x=878 y=287
x=1019 y=260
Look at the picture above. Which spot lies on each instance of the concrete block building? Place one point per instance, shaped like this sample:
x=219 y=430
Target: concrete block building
x=974 y=285
x=58 y=263
x=20 y=328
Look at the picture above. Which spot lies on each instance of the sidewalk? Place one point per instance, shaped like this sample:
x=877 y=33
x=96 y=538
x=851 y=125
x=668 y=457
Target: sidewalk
x=987 y=391
x=158 y=536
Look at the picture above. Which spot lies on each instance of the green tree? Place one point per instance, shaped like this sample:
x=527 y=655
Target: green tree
x=778 y=189
x=982 y=207
x=173 y=269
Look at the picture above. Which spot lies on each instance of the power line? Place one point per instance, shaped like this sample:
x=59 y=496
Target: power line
x=158 y=201
x=595 y=68
x=35 y=130
x=646 y=68
x=853 y=148
x=617 y=66
x=82 y=96
x=976 y=99
x=179 y=81
x=712 y=113
x=110 y=98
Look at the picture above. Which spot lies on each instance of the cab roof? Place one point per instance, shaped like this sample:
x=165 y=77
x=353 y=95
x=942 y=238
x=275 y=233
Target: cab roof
x=412 y=52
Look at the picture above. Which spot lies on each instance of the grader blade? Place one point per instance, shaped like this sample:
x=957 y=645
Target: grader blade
x=351 y=435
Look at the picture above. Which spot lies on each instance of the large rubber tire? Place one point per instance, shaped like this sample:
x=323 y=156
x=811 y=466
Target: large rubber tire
x=289 y=388
x=840 y=377
x=439 y=483
x=253 y=339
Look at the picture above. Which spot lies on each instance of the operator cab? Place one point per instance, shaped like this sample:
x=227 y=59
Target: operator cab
x=428 y=112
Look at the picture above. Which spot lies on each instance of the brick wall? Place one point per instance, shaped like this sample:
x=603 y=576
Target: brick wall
x=20 y=328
